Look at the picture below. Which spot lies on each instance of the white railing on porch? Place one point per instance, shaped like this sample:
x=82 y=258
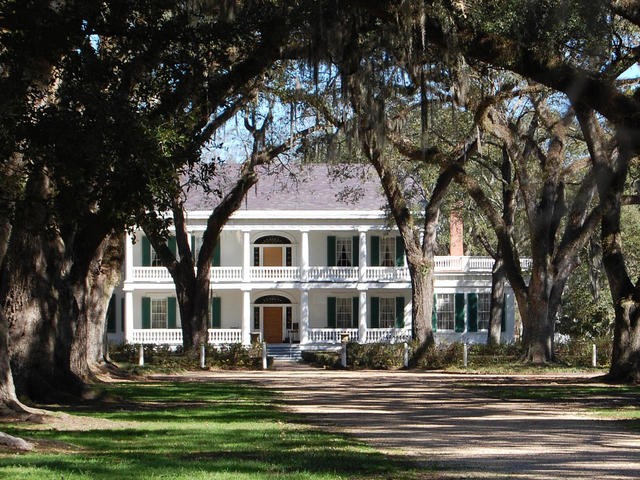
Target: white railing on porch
x=161 y=274
x=275 y=273
x=332 y=274
x=387 y=335
x=332 y=335
x=387 y=274
x=173 y=336
x=226 y=274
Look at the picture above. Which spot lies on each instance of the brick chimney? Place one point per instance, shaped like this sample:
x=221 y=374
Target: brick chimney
x=456 y=231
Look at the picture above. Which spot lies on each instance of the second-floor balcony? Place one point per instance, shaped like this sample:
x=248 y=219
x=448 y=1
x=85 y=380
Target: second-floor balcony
x=314 y=273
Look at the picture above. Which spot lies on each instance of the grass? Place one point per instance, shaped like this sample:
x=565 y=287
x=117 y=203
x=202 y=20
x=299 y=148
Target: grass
x=194 y=431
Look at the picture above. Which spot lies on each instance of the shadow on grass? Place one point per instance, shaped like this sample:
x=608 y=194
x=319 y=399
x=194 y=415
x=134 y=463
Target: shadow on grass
x=197 y=430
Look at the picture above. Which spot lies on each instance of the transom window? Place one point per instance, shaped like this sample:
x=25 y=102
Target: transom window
x=159 y=313
x=484 y=310
x=344 y=308
x=445 y=309
x=387 y=318
x=388 y=251
x=344 y=249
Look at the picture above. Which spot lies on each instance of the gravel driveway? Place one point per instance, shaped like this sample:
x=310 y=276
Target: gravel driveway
x=442 y=420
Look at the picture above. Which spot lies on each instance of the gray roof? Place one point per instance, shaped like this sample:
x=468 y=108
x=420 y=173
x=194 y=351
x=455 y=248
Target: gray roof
x=312 y=187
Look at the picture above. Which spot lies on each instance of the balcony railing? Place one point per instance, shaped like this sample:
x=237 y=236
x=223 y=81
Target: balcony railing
x=173 y=336
x=329 y=274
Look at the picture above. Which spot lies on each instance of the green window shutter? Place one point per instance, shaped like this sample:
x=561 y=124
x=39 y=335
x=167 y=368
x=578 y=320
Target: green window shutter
x=375 y=312
x=375 y=251
x=193 y=244
x=111 y=315
x=399 y=252
x=355 y=251
x=146 y=312
x=331 y=312
x=171 y=312
x=216 y=255
x=434 y=314
x=146 y=252
x=472 y=312
x=331 y=251
x=459 y=301
x=122 y=314
x=172 y=244
x=399 y=312
x=216 y=312
x=503 y=321
x=354 y=312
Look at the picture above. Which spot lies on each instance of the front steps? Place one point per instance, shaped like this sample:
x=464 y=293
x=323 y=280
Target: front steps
x=288 y=352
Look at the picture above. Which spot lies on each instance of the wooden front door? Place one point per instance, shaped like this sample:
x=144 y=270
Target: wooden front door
x=272 y=256
x=272 y=324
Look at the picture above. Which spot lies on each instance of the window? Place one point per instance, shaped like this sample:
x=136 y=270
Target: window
x=388 y=251
x=445 y=311
x=343 y=312
x=343 y=251
x=256 y=318
x=387 y=312
x=484 y=310
x=159 y=313
x=155 y=259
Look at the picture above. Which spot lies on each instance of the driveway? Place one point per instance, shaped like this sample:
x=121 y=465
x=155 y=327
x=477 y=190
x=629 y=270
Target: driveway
x=443 y=420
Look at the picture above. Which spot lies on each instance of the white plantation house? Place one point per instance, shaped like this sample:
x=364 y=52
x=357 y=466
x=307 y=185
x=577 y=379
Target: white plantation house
x=297 y=264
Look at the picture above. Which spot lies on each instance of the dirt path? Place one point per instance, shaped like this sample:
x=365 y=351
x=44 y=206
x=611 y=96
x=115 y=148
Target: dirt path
x=436 y=419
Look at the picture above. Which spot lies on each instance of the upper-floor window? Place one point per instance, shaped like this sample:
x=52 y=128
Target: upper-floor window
x=344 y=251
x=388 y=251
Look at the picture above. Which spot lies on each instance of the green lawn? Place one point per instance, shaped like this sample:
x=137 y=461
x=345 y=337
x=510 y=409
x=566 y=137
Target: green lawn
x=195 y=431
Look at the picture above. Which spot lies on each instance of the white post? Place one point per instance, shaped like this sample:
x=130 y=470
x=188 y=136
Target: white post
x=202 y=356
x=128 y=317
x=128 y=257
x=362 y=320
x=465 y=354
x=246 y=256
x=343 y=355
x=304 y=256
x=362 y=260
x=141 y=355
x=406 y=355
x=594 y=356
x=246 y=318
x=304 y=316
x=264 y=355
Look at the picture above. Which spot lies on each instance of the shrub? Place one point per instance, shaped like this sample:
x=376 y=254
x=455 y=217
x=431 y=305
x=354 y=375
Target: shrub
x=322 y=359
x=438 y=356
x=379 y=356
x=577 y=352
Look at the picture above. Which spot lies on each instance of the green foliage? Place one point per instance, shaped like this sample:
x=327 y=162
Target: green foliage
x=378 y=356
x=439 y=356
x=195 y=431
x=167 y=359
x=322 y=359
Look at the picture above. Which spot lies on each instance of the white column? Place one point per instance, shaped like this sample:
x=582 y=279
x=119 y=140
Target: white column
x=246 y=256
x=246 y=318
x=304 y=316
x=304 y=256
x=128 y=317
x=362 y=320
x=128 y=257
x=363 y=255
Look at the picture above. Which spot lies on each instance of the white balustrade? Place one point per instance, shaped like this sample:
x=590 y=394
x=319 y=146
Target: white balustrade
x=151 y=274
x=225 y=335
x=387 y=274
x=173 y=336
x=159 y=336
x=332 y=335
x=387 y=335
x=226 y=274
x=333 y=274
x=275 y=273
x=480 y=264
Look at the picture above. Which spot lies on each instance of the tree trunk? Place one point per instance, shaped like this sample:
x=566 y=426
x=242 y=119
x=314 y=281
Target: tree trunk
x=538 y=329
x=193 y=301
x=625 y=360
x=498 y=282
x=422 y=303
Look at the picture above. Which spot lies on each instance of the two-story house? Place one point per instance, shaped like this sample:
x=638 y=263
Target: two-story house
x=299 y=262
